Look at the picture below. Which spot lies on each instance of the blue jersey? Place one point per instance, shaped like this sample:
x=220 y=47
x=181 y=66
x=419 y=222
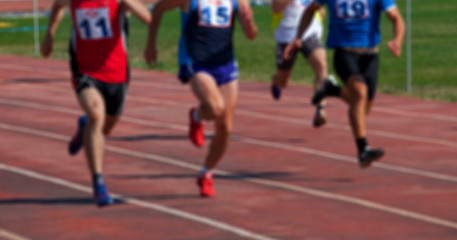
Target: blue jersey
x=207 y=31
x=355 y=23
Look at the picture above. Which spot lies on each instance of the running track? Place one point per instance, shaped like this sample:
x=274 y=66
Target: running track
x=280 y=179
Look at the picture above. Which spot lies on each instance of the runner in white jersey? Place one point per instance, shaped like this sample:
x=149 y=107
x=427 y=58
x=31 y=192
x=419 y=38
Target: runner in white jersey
x=286 y=20
x=290 y=19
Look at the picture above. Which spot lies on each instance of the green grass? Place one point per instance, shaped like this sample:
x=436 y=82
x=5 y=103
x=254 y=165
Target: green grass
x=434 y=49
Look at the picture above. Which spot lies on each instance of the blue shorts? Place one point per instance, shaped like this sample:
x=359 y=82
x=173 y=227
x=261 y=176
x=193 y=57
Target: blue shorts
x=223 y=74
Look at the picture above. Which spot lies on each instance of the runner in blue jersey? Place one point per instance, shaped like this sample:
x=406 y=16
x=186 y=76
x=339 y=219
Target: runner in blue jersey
x=207 y=62
x=354 y=33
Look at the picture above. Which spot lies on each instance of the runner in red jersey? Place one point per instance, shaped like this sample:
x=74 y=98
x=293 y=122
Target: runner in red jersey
x=100 y=72
x=99 y=26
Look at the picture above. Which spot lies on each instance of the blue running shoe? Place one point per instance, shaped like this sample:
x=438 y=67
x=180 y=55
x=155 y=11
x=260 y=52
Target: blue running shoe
x=275 y=92
x=102 y=198
x=77 y=141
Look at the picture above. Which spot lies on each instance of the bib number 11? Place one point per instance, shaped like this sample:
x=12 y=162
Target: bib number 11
x=93 y=24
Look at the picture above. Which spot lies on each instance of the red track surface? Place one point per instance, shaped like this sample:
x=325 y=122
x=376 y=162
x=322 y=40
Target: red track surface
x=280 y=179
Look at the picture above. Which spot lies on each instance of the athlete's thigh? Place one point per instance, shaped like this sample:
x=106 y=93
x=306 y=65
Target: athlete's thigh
x=205 y=88
x=281 y=63
x=229 y=93
x=92 y=102
x=318 y=62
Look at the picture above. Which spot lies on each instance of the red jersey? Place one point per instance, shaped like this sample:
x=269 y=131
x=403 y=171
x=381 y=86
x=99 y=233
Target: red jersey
x=98 y=42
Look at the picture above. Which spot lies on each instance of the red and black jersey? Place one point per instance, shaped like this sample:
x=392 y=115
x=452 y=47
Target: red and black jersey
x=98 y=43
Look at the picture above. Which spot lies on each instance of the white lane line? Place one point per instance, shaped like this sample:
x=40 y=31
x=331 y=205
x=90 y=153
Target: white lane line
x=136 y=74
x=298 y=121
x=287 y=147
x=8 y=235
x=264 y=182
x=305 y=100
x=140 y=203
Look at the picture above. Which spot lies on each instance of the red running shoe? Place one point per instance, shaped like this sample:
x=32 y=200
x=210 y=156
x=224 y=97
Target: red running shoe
x=205 y=182
x=196 y=129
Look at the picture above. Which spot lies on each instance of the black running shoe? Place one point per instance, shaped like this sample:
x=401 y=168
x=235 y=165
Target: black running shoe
x=275 y=92
x=370 y=155
x=322 y=92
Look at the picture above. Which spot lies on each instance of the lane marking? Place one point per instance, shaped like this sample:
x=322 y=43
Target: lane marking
x=143 y=74
x=186 y=165
x=298 y=121
x=8 y=235
x=140 y=203
x=263 y=143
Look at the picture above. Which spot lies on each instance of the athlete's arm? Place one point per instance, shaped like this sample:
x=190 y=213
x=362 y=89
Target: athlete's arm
x=138 y=9
x=150 y=53
x=305 y=21
x=279 y=5
x=395 y=44
x=246 y=18
x=57 y=13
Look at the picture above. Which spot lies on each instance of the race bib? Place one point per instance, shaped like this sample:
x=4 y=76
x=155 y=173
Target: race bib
x=93 y=23
x=357 y=9
x=215 y=13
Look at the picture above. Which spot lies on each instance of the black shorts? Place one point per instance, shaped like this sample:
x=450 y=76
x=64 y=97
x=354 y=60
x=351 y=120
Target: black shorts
x=350 y=63
x=113 y=93
x=309 y=45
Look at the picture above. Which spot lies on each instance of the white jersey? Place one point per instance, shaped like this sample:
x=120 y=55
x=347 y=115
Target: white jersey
x=287 y=28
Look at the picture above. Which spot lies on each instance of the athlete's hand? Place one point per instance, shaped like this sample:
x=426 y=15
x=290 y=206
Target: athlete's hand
x=46 y=45
x=394 y=47
x=290 y=48
x=150 y=54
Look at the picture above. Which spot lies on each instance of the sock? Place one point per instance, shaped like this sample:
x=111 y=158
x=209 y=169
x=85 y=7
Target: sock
x=361 y=144
x=320 y=107
x=203 y=171
x=97 y=179
x=195 y=116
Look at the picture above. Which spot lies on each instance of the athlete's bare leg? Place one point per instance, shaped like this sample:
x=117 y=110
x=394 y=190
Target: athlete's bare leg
x=207 y=92
x=281 y=78
x=223 y=125
x=318 y=62
x=216 y=103
x=357 y=105
x=110 y=122
x=94 y=142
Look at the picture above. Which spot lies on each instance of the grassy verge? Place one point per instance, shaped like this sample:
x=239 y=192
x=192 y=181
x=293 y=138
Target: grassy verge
x=434 y=51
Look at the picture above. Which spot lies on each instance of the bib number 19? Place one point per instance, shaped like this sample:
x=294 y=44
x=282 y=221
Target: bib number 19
x=352 y=8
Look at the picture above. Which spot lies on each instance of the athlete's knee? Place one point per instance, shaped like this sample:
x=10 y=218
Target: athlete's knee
x=225 y=127
x=214 y=109
x=217 y=109
x=360 y=93
x=96 y=118
x=358 y=88
x=107 y=130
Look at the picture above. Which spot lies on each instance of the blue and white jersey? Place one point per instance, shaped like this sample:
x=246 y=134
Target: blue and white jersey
x=207 y=31
x=355 y=23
